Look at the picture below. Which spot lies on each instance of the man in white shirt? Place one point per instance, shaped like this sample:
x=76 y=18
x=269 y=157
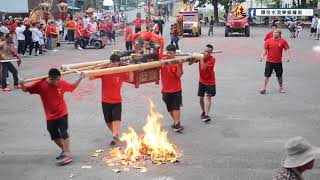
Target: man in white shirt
x=41 y=39
x=4 y=29
x=20 y=38
x=60 y=26
x=314 y=24
x=35 y=38
x=318 y=29
x=86 y=21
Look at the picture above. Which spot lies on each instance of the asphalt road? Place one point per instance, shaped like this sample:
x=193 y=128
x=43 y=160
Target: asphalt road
x=245 y=140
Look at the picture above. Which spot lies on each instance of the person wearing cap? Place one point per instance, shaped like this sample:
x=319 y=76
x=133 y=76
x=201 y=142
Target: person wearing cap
x=111 y=97
x=300 y=156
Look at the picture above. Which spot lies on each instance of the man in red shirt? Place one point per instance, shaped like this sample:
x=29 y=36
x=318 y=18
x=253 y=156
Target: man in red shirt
x=111 y=97
x=270 y=34
x=171 y=87
x=138 y=23
x=112 y=33
x=272 y=51
x=51 y=91
x=103 y=27
x=207 y=82
x=86 y=33
x=78 y=34
x=128 y=37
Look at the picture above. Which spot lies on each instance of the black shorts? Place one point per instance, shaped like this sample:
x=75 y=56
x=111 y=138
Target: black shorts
x=129 y=45
x=210 y=90
x=111 y=112
x=58 y=128
x=277 y=67
x=313 y=30
x=136 y=30
x=173 y=100
x=103 y=33
x=109 y=34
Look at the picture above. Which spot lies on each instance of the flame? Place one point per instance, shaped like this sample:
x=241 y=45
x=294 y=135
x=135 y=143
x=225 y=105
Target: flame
x=153 y=144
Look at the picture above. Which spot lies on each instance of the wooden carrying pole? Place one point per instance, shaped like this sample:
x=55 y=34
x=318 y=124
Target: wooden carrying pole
x=142 y=66
x=9 y=60
x=70 y=71
x=66 y=67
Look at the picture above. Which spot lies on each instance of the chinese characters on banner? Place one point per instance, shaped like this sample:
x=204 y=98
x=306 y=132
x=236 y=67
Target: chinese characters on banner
x=280 y=12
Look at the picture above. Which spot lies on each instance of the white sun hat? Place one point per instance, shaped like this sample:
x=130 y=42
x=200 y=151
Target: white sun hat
x=299 y=152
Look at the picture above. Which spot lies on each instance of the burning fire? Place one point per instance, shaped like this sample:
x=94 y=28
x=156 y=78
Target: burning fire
x=152 y=145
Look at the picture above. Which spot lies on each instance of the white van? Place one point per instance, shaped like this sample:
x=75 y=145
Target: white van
x=108 y=6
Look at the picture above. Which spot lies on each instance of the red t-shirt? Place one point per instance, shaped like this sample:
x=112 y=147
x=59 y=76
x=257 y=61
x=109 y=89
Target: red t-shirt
x=171 y=82
x=14 y=26
x=48 y=31
x=71 y=25
x=121 y=26
x=86 y=33
x=79 y=28
x=128 y=34
x=111 y=87
x=110 y=26
x=207 y=75
x=268 y=36
x=52 y=97
x=274 y=48
x=138 y=22
x=103 y=26
x=9 y=26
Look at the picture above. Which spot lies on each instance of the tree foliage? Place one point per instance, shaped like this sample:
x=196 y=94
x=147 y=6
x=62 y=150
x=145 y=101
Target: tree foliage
x=225 y=3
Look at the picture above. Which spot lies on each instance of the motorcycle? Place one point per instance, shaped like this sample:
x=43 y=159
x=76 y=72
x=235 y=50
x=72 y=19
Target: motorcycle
x=97 y=42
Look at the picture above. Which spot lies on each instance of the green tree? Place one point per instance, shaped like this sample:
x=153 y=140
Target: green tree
x=99 y=4
x=225 y=3
x=271 y=3
x=313 y=4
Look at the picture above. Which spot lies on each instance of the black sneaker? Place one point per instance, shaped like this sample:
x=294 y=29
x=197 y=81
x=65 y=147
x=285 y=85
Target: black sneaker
x=61 y=155
x=177 y=127
x=114 y=141
x=263 y=91
x=202 y=115
x=206 y=118
x=65 y=160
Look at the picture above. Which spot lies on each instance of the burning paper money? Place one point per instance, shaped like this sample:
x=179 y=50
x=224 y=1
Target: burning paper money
x=152 y=146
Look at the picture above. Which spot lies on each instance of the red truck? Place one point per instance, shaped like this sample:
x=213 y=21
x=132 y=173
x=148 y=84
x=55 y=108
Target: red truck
x=239 y=25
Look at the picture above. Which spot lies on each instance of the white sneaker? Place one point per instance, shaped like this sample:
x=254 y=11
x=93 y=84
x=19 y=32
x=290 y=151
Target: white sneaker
x=79 y=48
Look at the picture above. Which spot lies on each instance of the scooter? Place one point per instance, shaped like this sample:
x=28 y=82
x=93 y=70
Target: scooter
x=96 y=42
